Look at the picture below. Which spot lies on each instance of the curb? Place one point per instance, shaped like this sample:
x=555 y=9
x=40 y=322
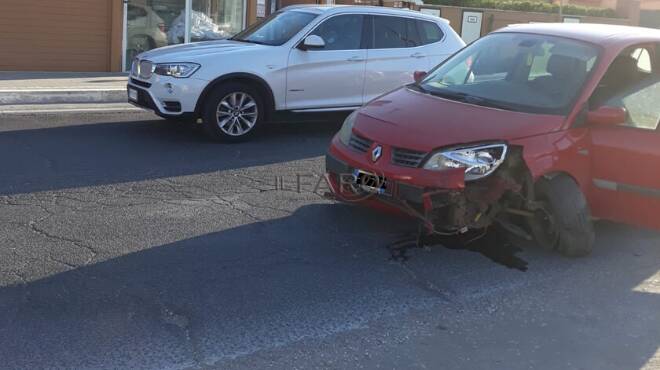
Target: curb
x=61 y=109
x=62 y=96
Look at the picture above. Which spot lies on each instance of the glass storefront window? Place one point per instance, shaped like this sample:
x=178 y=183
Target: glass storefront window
x=156 y=23
x=216 y=19
x=148 y=25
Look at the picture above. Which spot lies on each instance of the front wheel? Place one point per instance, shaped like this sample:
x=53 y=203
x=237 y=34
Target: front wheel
x=233 y=112
x=563 y=223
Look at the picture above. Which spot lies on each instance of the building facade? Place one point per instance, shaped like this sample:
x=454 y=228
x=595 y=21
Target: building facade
x=646 y=13
x=105 y=35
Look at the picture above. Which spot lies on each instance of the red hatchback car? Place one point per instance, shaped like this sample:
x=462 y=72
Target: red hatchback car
x=536 y=128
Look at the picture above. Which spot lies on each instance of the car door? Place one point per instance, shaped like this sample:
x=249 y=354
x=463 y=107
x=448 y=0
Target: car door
x=395 y=53
x=331 y=76
x=626 y=182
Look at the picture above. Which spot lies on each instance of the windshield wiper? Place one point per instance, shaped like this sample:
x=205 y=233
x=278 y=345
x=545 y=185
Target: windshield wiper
x=418 y=87
x=489 y=103
x=249 y=41
x=452 y=95
x=471 y=99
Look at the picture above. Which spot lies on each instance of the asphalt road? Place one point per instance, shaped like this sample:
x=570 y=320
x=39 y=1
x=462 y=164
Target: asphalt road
x=127 y=242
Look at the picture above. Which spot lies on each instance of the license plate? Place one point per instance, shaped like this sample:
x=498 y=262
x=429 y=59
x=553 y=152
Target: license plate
x=371 y=183
x=133 y=94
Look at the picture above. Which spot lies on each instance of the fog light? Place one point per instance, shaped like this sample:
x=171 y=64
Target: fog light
x=172 y=106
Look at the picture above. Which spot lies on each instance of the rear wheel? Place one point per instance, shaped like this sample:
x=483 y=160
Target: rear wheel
x=232 y=112
x=563 y=222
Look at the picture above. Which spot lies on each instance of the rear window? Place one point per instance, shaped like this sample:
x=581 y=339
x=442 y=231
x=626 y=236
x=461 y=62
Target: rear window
x=429 y=32
x=412 y=35
x=390 y=32
x=342 y=32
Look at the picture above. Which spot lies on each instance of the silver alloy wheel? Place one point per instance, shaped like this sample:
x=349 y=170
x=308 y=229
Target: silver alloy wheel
x=237 y=114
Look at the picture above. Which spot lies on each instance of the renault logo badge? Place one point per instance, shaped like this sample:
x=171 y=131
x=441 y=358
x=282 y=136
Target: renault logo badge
x=376 y=153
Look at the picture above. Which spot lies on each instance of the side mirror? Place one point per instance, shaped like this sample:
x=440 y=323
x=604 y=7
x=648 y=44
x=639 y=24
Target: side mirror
x=313 y=42
x=607 y=116
x=419 y=76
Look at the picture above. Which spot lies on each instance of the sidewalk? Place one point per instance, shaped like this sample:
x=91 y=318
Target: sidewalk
x=59 y=92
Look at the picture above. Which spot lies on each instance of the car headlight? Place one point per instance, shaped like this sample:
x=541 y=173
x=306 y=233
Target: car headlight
x=178 y=70
x=478 y=161
x=347 y=128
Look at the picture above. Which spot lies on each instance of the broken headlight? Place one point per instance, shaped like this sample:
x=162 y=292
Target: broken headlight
x=478 y=161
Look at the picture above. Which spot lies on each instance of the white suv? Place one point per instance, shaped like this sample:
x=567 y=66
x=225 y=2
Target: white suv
x=300 y=59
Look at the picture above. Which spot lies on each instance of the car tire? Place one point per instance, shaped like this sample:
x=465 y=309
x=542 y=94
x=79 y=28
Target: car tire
x=564 y=222
x=233 y=112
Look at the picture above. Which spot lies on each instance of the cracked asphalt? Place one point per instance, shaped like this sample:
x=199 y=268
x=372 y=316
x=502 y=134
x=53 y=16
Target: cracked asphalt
x=127 y=242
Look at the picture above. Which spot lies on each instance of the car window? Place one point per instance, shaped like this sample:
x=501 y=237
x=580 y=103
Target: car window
x=539 y=63
x=492 y=64
x=633 y=83
x=429 y=32
x=629 y=69
x=516 y=71
x=277 y=29
x=412 y=34
x=391 y=32
x=540 y=60
x=641 y=103
x=643 y=57
x=342 y=32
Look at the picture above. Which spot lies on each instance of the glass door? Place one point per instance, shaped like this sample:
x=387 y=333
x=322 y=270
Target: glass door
x=152 y=24
x=216 y=19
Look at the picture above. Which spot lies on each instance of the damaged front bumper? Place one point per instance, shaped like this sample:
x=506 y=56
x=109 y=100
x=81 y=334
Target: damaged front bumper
x=442 y=200
x=342 y=176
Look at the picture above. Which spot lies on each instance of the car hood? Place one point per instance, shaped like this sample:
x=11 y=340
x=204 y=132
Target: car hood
x=417 y=121
x=191 y=52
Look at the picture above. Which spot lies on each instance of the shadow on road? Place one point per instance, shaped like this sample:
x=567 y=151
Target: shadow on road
x=235 y=291
x=109 y=153
x=230 y=291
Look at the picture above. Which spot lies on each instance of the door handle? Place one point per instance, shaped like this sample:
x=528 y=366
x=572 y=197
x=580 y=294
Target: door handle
x=355 y=59
x=417 y=55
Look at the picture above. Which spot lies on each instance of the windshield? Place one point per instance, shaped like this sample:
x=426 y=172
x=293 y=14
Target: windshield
x=276 y=29
x=514 y=71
